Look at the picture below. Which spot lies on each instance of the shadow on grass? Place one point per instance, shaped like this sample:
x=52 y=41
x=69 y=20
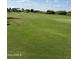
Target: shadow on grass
x=8 y=23
x=8 y=19
x=12 y=18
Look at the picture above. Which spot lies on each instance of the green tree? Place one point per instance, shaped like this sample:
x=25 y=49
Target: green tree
x=32 y=10
x=61 y=12
x=50 y=12
x=9 y=9
x=27 y=10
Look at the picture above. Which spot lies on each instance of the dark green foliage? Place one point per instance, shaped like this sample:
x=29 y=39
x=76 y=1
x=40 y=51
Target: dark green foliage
x=16 y=10
x=61 y=12
x=27 y=10
x=32 y=10
x=69 y=13
x=8 y=9
x=50 y=12
x=37 y=11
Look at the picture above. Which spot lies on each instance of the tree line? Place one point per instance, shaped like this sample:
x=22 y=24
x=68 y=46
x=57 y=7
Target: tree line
x=38 y=11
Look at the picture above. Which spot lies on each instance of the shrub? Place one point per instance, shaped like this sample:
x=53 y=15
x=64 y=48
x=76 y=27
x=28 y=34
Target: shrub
x=61 y=12
x=36 y=11
x=50 y=12
x=27 y=10
x=69 y=13
x=32 y=10
x=8 y=9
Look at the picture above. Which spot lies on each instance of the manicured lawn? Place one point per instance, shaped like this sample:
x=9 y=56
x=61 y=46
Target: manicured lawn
x=39 y=36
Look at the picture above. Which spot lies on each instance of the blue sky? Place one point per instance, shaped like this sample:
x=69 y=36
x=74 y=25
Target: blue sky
x=40 y=4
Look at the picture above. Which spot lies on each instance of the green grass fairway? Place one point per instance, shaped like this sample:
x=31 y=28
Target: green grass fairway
x=39 y=36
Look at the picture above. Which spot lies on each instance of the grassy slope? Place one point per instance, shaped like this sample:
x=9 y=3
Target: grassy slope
x=39 y=36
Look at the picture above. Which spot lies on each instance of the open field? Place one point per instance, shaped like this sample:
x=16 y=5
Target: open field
x=39 y=36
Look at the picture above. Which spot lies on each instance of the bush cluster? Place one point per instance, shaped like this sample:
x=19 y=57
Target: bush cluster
x=38 y=11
